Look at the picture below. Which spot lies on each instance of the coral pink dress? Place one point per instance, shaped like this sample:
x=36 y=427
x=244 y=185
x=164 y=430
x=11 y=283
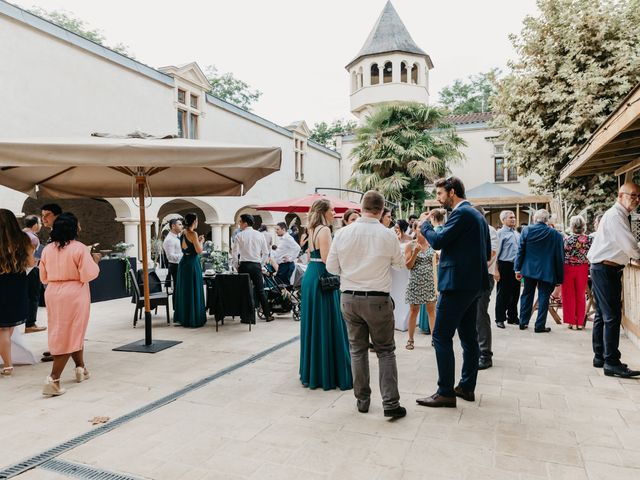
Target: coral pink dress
x=67 y=273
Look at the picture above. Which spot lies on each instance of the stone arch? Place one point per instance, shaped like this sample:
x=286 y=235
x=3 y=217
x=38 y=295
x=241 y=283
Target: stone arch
x=261 y=216
x=387 y=72
x=354 y=81
x=404 y=74
x=374 y=72
x=122 y=208
x=206 y=213
x=360 y=78
x=415 y=73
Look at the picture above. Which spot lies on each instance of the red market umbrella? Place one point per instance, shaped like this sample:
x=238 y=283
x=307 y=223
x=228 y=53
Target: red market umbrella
x=303 y=204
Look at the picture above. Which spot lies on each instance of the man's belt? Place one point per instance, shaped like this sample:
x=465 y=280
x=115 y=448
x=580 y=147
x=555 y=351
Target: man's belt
x=366 y=294
x=611 y=264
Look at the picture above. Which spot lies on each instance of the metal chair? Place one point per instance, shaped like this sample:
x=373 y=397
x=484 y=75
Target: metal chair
x=157 y=298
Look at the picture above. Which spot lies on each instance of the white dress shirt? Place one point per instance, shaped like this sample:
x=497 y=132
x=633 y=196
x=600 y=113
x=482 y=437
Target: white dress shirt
x=495 y=247
x=363 y=254
x=613 y=240
x=172 y=248
x=288 y=249
x=251 y=246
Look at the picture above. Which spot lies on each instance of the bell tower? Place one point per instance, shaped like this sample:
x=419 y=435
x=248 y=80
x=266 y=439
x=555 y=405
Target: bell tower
x=389 y=68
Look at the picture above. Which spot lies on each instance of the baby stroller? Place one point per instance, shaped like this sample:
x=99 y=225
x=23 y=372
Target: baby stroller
x=282 y=298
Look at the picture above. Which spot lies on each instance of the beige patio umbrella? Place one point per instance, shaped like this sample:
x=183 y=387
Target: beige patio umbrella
x=133 y=166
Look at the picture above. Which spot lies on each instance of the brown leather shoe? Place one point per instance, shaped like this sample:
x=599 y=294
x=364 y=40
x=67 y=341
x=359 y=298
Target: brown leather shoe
x=34 y=329
x=437 y=401
x=464 y=394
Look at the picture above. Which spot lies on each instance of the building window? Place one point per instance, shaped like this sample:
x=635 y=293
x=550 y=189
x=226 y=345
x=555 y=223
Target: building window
x=387 y=75
x=359 y=78
x=300 y=151
x=193 y=126
x=414 y=74
x=194 y=101
x=403 y=72
x=375 y=74
x=182 y=123
x=503 y=172
x=182 y=97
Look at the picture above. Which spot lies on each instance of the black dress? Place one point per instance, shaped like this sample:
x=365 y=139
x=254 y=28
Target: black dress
x=14 y=304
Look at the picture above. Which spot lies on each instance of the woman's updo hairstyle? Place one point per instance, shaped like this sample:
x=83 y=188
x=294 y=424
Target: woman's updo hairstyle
x=189 y=219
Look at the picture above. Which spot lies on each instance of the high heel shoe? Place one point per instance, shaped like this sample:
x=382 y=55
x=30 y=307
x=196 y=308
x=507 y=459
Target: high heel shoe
x=82 y=374
x=7 y=371
x=52 y=388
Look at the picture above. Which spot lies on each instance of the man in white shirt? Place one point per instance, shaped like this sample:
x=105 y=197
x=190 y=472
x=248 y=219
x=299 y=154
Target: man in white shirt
x=363 y=255
x=249 y=252
x=613 y=246
x=286 y=254
x=32 y=226
x=173 y=251
x=483 y=320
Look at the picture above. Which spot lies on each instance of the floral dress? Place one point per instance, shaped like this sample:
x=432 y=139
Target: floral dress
x=576 y=247
x=421 y=287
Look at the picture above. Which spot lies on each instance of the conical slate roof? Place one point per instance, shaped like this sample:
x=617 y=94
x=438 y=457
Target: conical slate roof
x=388 y=35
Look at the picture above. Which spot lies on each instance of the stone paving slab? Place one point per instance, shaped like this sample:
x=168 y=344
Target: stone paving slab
x=541 y=412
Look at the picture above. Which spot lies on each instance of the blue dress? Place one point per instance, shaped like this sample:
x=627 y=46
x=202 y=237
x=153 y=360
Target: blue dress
x=325 y=361
x=190 y=310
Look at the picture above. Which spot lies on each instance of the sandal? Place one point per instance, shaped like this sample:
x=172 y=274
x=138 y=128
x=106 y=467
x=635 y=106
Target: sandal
x=6 y=371
x=409 y=345
x=579 y=327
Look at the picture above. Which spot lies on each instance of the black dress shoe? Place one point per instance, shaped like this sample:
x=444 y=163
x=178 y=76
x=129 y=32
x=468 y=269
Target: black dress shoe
x=500 y=324
x=513 y=322
x=621 y=371
x=524 y=327
x=397 y=412
x=270 y=318
x=542 y=330
x=598 y=362
x=436 y=401
x=363 y=406
x=484 y=363
x=464 y=394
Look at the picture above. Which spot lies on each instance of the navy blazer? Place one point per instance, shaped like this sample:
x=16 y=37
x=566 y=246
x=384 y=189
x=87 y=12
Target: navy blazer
x=541 y=254
x=465 y=248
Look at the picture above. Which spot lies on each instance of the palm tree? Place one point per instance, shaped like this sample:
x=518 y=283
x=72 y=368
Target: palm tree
x=401 y=149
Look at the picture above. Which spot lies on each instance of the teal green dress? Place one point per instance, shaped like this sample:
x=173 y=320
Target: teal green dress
x=325 y=361
x=423 y=322
x=190 y=308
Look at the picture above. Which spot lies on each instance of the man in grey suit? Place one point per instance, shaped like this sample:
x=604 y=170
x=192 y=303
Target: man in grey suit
x=363 y=254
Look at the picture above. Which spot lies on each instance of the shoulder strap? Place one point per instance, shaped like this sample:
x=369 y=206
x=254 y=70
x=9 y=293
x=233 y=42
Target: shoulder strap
x=315 y=234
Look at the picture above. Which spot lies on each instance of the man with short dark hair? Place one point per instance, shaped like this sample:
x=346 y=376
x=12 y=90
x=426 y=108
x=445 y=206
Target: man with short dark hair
x=249 y=252
x=173 y=250
x=363 y=255
x=286 y=253
x=49 y=213
x=613 y=246
x=32 y=226
x=465 y=248
x=540 y=261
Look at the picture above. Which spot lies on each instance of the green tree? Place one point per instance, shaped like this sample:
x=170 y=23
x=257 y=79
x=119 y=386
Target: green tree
x=69 y=22
x=323 y=132
x=230 y=89
x=472 y=95
x=401 y=148
x=577 y=60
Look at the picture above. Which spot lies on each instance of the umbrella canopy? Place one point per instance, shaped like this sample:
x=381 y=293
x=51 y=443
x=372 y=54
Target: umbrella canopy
x=303 y=204
x=135 y=165
x=104 y=167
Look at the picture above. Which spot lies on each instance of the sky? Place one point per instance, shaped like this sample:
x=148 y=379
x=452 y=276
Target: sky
x=295 y=51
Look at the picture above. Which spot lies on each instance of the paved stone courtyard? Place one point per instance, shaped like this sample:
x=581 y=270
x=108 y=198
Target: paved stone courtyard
x=541 y=412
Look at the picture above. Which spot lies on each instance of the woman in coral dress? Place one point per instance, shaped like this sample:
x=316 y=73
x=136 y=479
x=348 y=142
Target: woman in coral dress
x=66 y=267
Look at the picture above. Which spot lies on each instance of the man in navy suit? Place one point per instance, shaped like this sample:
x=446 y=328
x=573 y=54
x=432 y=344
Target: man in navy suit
x=462 y=277
x=540 y=261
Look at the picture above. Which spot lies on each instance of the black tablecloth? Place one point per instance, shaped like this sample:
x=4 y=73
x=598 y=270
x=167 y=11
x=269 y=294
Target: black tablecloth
x=110 y=283
x=230 y=296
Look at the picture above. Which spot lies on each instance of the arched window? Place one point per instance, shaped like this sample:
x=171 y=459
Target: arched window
x=403 y=72
x=354 y=81
x=375 y=74
x=387 y=75
x=359 y=78
x=414 y=74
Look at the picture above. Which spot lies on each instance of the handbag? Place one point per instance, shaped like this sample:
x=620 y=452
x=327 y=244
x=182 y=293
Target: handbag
x=329 y=282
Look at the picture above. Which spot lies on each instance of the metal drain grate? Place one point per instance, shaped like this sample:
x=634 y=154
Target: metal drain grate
x=40 y=458
x=77 y=470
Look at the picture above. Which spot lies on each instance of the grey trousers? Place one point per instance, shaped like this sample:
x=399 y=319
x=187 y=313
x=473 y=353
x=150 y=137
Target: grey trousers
x=371 y=317
x=483 y=321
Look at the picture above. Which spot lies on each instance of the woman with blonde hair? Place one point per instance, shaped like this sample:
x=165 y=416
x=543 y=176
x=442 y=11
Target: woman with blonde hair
x=324 y=346
x=66 y=267
x=16 y=256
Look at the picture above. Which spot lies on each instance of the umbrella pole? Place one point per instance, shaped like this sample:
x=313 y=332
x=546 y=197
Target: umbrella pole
x=141 y=182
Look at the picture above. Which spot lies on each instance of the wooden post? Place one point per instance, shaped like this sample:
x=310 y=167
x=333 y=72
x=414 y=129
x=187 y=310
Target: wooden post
x=517 y=215
x=141 y=182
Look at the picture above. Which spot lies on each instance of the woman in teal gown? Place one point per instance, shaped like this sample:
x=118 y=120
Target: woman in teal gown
x=325 y=361
x=190 y=309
